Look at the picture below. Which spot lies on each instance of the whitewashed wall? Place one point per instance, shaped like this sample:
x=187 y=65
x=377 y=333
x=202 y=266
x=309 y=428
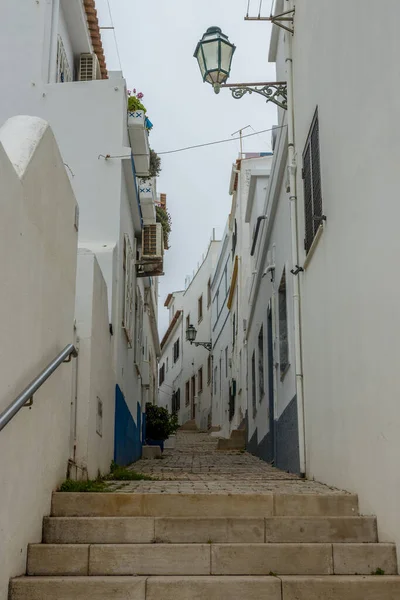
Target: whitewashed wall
x=96 y=379
x=38 y=245
x=221 y=333
x=350 y=291
x=192 y=357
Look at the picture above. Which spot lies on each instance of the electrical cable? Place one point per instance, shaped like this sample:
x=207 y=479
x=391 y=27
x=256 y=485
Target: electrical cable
x=115 y=36
x=231 y=139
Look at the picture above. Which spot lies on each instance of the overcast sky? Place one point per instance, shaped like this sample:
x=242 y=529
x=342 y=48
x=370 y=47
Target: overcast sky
x=156 y=40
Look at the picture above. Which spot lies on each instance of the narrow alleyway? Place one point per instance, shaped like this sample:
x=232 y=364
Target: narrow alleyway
x=195 y=465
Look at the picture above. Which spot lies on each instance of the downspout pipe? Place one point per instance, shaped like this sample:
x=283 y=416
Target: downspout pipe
x=295 y=255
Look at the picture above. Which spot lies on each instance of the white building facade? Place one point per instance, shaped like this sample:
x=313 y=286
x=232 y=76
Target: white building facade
x=185 y=373
x=58 y=72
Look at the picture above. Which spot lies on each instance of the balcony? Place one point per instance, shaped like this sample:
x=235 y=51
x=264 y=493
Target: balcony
x=147 y=198
x=139 y=141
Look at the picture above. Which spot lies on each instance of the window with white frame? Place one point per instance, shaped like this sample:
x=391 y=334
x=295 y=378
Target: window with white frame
x=64 y=72
x=128 y=267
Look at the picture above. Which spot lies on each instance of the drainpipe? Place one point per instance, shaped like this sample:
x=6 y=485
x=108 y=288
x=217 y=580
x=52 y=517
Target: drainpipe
x=293 y=221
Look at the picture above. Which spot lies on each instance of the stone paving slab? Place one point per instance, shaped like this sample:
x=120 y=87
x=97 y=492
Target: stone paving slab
x=195 y=466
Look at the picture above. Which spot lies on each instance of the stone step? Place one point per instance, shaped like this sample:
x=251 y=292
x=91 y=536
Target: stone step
x=210 y=559
x=211 y=587
x=185 y=530
x=202 y=505
x=339 y=588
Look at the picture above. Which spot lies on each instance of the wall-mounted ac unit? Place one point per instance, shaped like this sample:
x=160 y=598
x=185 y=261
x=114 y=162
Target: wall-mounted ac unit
x=89 y=67
x=152 y=242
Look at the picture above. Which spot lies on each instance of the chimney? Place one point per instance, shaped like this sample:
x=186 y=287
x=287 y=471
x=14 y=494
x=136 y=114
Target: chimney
x=163 y=201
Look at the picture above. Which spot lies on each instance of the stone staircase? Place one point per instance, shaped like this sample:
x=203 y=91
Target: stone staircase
x=181 y=547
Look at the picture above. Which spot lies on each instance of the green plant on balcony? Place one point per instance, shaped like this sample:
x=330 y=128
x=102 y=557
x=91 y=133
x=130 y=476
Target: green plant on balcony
x=155 y=164
x=163 y=217
x=135 y=101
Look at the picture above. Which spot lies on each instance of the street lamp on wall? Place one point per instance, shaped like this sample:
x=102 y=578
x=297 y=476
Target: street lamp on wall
x=191 y=333
x=214 y=54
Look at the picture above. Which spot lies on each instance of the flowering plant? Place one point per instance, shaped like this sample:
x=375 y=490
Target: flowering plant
x=135 y=101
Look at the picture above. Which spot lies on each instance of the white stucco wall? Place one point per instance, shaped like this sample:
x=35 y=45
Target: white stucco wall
x=221 y=334
x=96 y=379
x=38 y=264
x=350 y=294
x=273 y=247
x=192 y=357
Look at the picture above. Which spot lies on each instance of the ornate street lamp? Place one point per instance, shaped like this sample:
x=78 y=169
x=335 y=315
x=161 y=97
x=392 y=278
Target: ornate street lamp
x=214 y=54
x=191 y=333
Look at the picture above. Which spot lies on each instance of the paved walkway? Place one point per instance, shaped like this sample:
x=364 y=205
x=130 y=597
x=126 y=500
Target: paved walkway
x=195 y=466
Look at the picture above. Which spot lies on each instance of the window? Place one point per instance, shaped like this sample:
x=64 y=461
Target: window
x=166 y=370
x=253 y=384
x=226 y=280
x=209 y=293
x=128 y=276
x=139 y=328
x=200 y=308
x=162 y=374
x=312 y=184
x=234 y=240
x=233 y=329
x=261 y=364
x=283 y=327
x=176 y=350
x=226 y=361
x=215 y=379
x=99 y=417
x=209 y=369
x=64 y=72
x=200 y=380
x=187 y=393
x=176 y=401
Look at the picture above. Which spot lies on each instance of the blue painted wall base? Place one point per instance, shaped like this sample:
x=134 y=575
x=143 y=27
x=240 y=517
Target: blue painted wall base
x=286 y=441
x=127 y=444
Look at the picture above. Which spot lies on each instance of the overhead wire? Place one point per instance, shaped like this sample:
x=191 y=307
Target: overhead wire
x=231 y=139
x=115 y=35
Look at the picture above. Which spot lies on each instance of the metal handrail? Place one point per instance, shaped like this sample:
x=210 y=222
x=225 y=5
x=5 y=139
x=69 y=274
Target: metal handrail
x=26 y=397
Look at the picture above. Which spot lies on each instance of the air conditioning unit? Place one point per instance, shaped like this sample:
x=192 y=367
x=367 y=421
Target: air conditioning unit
x=89 y=67
x=152 y=242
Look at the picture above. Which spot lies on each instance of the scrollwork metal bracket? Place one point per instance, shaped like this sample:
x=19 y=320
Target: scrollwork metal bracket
x=275 y=91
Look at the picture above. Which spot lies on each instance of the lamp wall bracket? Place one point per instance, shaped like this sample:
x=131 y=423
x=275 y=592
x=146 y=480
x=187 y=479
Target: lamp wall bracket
x=272 y=91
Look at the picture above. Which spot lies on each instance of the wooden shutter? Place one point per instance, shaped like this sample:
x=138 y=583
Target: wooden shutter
x=312 y=183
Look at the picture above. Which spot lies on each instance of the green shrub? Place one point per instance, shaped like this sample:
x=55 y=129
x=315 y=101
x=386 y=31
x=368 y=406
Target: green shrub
x=159 y=423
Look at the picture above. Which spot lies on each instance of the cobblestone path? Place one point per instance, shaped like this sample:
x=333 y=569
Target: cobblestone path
x=195 y=466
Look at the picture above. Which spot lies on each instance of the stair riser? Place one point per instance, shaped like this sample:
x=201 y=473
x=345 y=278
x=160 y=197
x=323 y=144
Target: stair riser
x=144 y=530
x=214 y=559
x=201 y=505
x=212 y=588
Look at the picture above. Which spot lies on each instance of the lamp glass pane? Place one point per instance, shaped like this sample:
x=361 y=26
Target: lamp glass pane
x=226 y=56
x=201 y=62
x=210 y=51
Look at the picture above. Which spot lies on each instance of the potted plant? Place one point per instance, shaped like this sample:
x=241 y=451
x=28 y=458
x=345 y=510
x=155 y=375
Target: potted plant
x=135 y=101
x=159 y=425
